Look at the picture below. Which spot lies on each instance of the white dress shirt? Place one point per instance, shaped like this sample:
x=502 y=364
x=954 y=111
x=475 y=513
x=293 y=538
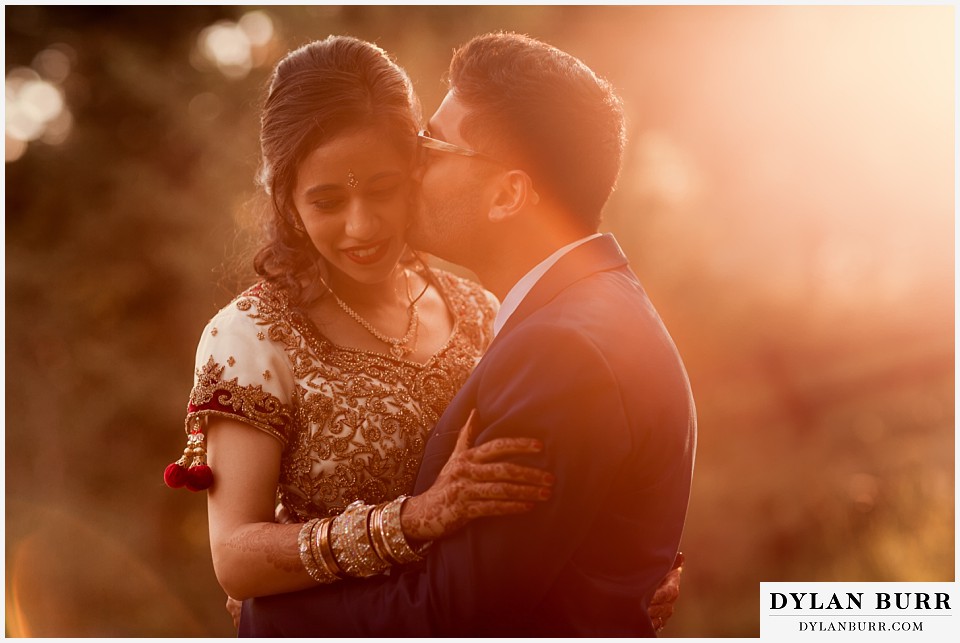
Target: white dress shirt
x=529 y=280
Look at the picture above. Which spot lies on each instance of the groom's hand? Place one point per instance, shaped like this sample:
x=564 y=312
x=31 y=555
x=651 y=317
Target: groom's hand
x=666 y=595
x=233 y=607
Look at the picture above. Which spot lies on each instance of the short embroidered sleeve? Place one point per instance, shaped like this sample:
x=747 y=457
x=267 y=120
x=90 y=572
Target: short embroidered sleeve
x=242 y=372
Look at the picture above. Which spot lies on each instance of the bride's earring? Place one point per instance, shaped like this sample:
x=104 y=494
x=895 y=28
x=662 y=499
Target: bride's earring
x=296 y=222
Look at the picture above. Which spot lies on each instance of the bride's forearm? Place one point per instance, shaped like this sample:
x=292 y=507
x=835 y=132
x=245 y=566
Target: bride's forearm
x=259 y=559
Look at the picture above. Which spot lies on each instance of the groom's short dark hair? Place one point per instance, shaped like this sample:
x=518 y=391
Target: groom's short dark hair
x=544 y=109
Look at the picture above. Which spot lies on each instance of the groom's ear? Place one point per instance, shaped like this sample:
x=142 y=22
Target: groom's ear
x=514 y=192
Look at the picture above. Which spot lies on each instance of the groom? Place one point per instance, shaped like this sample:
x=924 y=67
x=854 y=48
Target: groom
x=518 y=162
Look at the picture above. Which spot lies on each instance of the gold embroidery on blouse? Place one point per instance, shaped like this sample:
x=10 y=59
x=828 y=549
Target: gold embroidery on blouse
x=266 y=374
x=213 y=331
x=359 y=419
x=213 y=395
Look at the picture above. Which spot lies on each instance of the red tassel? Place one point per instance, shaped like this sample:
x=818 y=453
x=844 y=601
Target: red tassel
x=176 y=475
x=199 y=477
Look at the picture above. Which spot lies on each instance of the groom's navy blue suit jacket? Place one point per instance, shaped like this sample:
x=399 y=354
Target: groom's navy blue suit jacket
x=586 y=365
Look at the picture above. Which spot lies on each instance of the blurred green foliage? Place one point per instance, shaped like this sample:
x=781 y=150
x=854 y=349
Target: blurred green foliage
x=825 y=399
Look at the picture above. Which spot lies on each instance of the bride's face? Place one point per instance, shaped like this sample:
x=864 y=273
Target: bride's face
x=352 y=196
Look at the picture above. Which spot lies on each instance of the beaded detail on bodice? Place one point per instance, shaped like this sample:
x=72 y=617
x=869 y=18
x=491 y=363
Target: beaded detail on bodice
x=353 y=422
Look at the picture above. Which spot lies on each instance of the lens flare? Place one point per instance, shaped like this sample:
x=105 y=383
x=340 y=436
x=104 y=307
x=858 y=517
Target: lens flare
x=52 y=590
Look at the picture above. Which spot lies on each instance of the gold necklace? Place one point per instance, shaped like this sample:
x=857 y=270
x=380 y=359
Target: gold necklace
x=398 y=347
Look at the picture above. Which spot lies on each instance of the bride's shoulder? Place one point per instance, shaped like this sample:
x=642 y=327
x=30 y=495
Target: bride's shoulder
x=253 y=307
x=466 y=289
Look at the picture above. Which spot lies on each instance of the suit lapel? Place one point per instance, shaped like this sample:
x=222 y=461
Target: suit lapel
x=596 y=255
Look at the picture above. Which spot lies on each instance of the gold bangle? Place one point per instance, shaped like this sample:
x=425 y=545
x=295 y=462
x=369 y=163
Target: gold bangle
x=370 y=562
x=376 y=535
x=314 y=553
x=306 y=555
x=392 y=531
x=303 y=543
x=343 y=546
x=322 y=542
x=350 y=542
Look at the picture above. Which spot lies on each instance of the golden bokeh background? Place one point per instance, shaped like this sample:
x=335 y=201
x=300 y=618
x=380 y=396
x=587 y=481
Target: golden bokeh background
x=787 y=199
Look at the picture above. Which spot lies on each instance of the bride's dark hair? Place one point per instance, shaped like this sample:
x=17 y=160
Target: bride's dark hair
x=316 y=93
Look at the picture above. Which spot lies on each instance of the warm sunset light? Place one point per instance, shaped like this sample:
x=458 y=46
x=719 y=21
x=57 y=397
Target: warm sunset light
x=787 y=200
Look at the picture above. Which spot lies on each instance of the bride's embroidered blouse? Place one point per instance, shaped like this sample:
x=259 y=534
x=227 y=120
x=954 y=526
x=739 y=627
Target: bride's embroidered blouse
x=353 y=423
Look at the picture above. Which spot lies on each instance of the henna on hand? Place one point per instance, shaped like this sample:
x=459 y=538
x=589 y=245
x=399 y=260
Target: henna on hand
x=475 y=483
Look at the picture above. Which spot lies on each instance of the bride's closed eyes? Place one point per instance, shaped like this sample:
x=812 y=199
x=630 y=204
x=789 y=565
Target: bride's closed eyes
x=331 y=199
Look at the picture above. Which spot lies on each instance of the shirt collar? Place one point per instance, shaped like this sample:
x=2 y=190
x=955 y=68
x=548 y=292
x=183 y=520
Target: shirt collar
x=529 y=280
